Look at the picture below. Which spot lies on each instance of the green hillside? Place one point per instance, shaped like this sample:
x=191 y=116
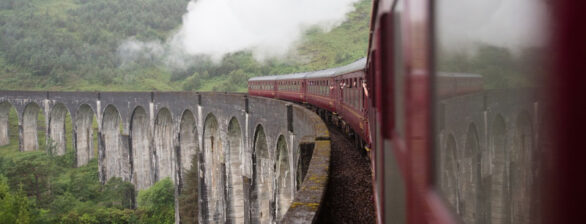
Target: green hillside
x=72 y=45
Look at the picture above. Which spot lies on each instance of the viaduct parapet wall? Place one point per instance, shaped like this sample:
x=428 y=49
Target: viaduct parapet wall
x=260 y=160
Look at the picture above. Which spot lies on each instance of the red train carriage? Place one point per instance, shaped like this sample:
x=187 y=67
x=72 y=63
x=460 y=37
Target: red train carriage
x=291 y=87
x=340 y=92
x=320 y=89
x=438 y=159
x=262 y=86
x=423 y=171
x=350 y=102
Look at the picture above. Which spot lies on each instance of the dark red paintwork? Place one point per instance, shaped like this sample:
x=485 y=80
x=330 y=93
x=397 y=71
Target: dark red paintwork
x=296 y=95
x=565 y=177
x=325 y=101
x=265 y=92
x=350 y=103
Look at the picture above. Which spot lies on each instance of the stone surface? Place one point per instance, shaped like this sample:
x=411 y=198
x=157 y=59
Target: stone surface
x=246 y=176
x=486 y=163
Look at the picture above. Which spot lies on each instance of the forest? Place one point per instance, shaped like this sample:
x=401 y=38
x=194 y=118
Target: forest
x=40 y=187
x=72 y=45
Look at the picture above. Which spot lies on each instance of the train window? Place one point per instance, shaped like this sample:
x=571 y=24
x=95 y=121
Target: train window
x=486 y=150
x=353 y=93
x=345 y=90
x=360 y=94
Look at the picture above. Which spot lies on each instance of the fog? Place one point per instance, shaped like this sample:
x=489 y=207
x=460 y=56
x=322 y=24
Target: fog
x=512 y=24
x=267 y=28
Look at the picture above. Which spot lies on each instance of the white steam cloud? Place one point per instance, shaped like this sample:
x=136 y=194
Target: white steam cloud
x=268 y=28
x=132 y=50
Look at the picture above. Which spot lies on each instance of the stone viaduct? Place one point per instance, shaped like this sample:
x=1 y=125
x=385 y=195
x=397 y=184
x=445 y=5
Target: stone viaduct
x=260 y=160
x=487 y=162
x=265 y=161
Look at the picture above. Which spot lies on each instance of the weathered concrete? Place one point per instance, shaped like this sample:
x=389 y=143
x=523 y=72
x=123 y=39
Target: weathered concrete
x=284 y=189
x=486 y=164
x=30 y=139
x=114 y=158
x=164 y=146
x=263 y=179
x=214 y=177
x=236 y=188
x=4 y=123
x=188 y=141
x=142 y=176
x=307 y=200
x=249 y=149
x=57 y=132
x=83 y=135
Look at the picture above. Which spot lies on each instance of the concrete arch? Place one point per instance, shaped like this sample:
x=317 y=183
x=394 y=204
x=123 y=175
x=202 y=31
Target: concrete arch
x=30 y=135
x=142 y=174
x=469 y=175
x=448 y=166
x=215 y=176
x=163 y=145
x=305 y=152
x=235 y=181
x=57 y=130
x=284 y=185
x=261 y=195
x=521 y=171
x=5 y=110
x=188 y=141
x=115 y=161
x=84 y=134
x=189 y=173
x=498 y=200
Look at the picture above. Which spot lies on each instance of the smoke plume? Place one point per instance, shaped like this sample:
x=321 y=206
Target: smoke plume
x=267 y=28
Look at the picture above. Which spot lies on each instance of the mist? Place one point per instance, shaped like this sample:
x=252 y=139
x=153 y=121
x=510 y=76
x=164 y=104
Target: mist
x=512 y=24
x=267 y=28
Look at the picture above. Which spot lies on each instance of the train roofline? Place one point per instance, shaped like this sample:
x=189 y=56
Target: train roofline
x=357 y=65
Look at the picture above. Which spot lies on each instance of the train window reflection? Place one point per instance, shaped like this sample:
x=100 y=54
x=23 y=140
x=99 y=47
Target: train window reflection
x=489 y=60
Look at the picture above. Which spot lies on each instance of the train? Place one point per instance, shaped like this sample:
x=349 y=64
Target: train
x=341 y=95
x=397 y=100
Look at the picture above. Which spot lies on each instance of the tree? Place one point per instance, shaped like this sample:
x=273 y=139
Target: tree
x=192 y=83
x=188 y=198
x=158 y=202
x=118 y=194
x=14 y=206
x=32 y=171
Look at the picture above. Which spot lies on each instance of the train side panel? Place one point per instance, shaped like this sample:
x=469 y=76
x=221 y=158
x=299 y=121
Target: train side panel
x=265 y=88
x=352 y=100
x=291 y=90
x=320 y=93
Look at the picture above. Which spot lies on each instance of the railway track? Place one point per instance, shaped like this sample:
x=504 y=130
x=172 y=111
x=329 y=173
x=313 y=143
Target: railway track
x=349 y=196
